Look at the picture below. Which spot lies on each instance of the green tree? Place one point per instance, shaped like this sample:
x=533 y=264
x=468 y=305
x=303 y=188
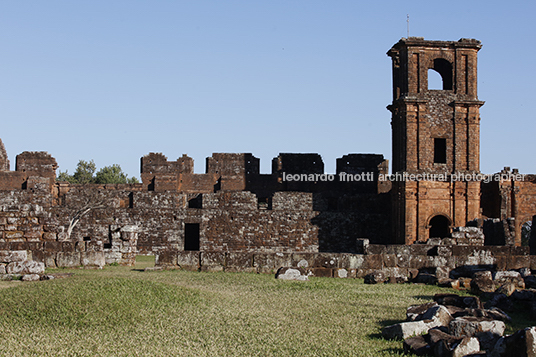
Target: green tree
x=82 y=175
x=113 y=174
x=85 y=173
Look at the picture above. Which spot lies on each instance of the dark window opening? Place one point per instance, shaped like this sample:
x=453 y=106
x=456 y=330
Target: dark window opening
x=333 y=203
x=196 y=202
x=264 y=203
x=444 y=68
x=150 y=187
x=217 y=186
x=191 y=236
x=439 y=227
x=87 y=239
x=131 y=200
x=440 y=151
x=108 y=244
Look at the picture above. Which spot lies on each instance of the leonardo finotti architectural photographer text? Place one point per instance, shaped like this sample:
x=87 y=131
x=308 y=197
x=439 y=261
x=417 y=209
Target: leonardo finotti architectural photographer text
x=403 y=176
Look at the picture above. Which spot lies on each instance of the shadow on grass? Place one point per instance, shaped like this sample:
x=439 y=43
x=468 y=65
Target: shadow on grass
x=425 y=297
x=384 y=323
x=397 y=351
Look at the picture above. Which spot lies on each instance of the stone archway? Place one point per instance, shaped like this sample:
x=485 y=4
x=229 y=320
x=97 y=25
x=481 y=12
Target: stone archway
x=439 y=227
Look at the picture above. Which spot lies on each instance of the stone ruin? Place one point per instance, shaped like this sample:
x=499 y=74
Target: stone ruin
x=456 y=326
x=432 y=215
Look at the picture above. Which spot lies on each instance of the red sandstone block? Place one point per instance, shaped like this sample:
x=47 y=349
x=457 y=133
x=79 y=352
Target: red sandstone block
x=49 y=236
x=403 y=260
x=32 y=235
x=532 y=262
x=52 y=246
x=361 y=273
x=67 y=247
x=68 y=259
x=376 y=249
x=34 y=246
x=270 y=262
x=419 y=249
x=189 y=260
x=80 y=246
x=18 y=246
x=303 y=260
x=417 y=261
x=352 y=273
x=398 y=249
x=166 y=257
x=520 y=251
x=374 y=262
x=212 y=261
x=239 y=260
x=351 y=261
x=14 y=235
x=322 y=272
x=517 y=261
x=38 y=256
x=389 y=260
x=326 y=260
x=94 y=246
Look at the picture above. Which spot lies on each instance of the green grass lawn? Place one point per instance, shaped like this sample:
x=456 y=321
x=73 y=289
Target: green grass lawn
x=124 y=311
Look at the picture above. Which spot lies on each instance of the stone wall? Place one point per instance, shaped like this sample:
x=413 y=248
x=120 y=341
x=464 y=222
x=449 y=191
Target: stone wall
x=395 y=260
x=511 y=196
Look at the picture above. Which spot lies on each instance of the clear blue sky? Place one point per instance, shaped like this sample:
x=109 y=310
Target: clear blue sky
x=115 y=80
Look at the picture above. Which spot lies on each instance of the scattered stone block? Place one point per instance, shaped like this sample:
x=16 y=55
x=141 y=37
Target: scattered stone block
x=414 y=313
x=467 y=345
x=438 y=314
x=530 y=282
x=506 y=288
x=471 y=326
x=503 y=277
x=27 y=267
x=404 y=330
x=482 y=282
x=30 y=277
x=376 y=277
x=500 y=301
x=417 y=345
x=520 y=344
x=456 y=300
x=525 y=272
x=298 y=274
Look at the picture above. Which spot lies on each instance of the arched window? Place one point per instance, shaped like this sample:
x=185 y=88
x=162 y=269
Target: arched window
x=444 y=69
x=435 y=82
x=439 y=227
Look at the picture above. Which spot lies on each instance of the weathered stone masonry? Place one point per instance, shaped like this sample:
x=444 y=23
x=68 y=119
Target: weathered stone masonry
x=233 y=218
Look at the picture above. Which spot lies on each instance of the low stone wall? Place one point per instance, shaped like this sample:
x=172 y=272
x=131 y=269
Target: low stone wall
x=395 y=260
x=17 y=264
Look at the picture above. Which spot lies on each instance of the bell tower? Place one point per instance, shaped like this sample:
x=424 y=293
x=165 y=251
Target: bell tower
x=435 y=137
